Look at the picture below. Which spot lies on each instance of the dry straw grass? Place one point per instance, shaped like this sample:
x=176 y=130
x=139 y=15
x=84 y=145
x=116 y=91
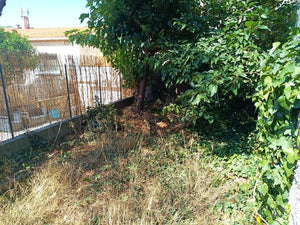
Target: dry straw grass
x=118 y=178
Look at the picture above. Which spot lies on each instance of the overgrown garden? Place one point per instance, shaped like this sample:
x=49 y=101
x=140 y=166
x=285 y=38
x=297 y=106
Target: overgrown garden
x=131 y=168
x=221 y=144
x=222 y=57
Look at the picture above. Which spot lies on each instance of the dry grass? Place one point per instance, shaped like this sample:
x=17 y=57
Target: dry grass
x=119 y=178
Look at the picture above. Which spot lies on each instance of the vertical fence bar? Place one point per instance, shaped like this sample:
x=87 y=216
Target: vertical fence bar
x=78 y=103
x=68 y=90
x=6 y=103
x=120 y=76
x=99 y=84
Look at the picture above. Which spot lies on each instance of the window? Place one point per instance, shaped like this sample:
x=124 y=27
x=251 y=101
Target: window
x=48 y=65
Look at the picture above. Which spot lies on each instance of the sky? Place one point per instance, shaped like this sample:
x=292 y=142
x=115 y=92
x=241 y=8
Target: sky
x=44 y=13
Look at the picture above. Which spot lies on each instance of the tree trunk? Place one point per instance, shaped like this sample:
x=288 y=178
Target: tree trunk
x=142 y=89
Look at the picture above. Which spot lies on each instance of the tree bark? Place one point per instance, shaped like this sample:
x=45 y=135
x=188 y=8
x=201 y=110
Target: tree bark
x=142 y=89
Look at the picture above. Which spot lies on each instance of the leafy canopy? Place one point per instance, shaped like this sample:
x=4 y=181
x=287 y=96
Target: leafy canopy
x=222 y=60
x=130 y=32
x=16 y=54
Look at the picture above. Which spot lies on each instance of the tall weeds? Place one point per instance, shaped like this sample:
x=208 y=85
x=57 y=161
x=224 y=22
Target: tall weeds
x=119 y=178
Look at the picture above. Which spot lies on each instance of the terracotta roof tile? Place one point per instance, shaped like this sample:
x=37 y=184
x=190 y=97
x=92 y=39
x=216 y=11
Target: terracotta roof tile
x=44 y=32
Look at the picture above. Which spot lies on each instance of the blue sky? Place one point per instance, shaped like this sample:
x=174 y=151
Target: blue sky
x=44 y=13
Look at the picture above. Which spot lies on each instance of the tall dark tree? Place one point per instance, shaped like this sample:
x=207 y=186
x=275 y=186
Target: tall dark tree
x=130 y=33
x=2 y=4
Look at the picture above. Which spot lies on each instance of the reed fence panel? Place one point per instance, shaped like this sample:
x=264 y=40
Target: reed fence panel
x=56 y=88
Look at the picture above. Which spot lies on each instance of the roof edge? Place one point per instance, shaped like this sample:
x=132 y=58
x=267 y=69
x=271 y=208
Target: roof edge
x=49 y=39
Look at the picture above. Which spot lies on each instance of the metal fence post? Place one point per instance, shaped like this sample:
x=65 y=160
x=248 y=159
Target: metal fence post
x=6 y=103
x=68 y=90
x=77 y=102
x=99 y=84
x=121 y=97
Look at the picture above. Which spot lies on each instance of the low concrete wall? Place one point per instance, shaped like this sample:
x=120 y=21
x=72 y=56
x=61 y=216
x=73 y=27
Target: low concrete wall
x=123 y=103
x=48 y=134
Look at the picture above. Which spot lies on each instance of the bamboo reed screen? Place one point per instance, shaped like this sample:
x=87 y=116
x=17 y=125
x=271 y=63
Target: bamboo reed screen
x=40 y=95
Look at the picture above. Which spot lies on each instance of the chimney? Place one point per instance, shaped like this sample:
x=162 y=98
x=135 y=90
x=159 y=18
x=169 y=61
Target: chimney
x=25 y=19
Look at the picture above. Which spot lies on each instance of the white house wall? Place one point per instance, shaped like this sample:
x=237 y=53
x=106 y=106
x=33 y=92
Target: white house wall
x=56 y=47
x=87 y=77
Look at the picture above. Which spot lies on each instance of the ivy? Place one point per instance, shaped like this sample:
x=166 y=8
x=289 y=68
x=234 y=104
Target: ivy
x=277 y=99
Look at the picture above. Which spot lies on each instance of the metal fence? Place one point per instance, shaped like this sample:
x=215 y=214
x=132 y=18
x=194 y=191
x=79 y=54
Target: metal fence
x=52 y=89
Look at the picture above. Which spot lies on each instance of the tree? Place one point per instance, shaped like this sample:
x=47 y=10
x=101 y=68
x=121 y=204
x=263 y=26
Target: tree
x=221 y=62
x=16 y=54
x=130 y=33
x=2 y=4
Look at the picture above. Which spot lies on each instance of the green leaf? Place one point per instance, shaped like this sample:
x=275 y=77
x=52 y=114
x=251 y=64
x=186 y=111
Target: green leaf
x=298 y=140
x=283 y=103
x=268 y=215
x=244 y=187
x=271 y=202
x=296 y=71
x=213 y=89
x=83 y=16
x=294 y=95
x=289 y=68
x=263 y=27
x=268 y=80
x=279 y=200
x=288 y=92
x=249 y=23
x=286 y=144
x=291 y=158
x=234 y=90
x=263 y=189
x=197 y=99
x=287 y=147
x=288 y=168
x=275 y=45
